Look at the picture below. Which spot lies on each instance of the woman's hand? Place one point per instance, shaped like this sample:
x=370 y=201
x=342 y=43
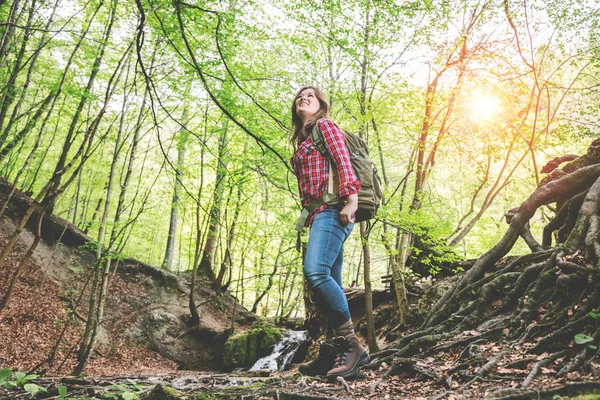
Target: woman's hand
x=350 y=207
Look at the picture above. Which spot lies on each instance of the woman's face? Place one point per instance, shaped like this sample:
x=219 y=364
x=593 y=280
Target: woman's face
x=307 y=104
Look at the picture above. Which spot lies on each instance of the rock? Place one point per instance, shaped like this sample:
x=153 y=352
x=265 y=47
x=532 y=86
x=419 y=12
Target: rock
x=160 y=392
x=243 y=349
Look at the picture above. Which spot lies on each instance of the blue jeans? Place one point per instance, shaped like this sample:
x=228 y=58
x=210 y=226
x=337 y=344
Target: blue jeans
x=323 y=265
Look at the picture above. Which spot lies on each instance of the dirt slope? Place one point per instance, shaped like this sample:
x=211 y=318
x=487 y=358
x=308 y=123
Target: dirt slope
x=145 y=318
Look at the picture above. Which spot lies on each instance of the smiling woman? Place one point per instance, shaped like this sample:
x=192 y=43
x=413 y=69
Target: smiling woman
x=341 y=355
x=483 y=105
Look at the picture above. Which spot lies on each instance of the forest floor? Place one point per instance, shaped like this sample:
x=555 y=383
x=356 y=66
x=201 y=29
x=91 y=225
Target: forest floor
x=373 y=384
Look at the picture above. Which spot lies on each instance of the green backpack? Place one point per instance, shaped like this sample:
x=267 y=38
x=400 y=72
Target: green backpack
x=369 y=196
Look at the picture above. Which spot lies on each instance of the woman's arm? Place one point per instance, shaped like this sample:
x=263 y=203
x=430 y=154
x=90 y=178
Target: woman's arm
x=350 y=207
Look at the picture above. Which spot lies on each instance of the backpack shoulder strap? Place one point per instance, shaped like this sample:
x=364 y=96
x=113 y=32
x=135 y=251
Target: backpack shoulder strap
x=316 y=137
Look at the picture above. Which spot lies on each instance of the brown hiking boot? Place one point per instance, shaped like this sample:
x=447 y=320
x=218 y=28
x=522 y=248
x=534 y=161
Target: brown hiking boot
x=351 y=356
x=324 y=361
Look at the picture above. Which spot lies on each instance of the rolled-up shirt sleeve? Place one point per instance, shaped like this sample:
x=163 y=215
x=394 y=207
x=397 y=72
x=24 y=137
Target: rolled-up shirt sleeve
x=336 y=147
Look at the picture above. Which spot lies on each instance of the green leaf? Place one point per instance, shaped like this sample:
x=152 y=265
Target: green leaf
x=135 y=385
x=594 y=315
x=31 y=388
x=62 y=390
x=582 y=338
x=8 y=385
x=129 y=395
x=30 y=377
x=19 y=375
x=591 y=346
x=5 y=373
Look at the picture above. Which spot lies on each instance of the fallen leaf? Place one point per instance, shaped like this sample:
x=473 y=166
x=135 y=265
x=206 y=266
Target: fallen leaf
x=502 y=370
x=497 y=303
x=573 y=375
x=505 y=331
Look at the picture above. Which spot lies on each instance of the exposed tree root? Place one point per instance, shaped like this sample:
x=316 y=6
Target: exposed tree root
x=575 y=363
x=492 y=321
x=568 y=390
x=535 y=370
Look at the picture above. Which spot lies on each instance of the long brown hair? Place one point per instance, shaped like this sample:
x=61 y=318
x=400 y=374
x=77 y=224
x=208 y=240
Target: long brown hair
x=297 y=124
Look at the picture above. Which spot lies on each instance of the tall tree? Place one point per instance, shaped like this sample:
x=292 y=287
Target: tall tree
x=182 y=139
x=207 y=261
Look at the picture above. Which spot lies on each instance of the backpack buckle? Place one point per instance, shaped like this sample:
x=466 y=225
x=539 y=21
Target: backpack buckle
x=302 y=220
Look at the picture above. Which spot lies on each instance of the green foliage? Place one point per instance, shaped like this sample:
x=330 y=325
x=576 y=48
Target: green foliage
x=124 y=392
x=16 y=380
x=13 y=379
x=582 y=338
x=62 y=392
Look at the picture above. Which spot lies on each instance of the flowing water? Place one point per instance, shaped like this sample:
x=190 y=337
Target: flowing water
x=283 y=353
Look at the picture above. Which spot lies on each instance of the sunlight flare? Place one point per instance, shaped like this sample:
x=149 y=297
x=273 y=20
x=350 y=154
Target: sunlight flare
x=483 y=106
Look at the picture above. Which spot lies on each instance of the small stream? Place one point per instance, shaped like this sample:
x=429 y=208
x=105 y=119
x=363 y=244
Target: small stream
x=283 y=353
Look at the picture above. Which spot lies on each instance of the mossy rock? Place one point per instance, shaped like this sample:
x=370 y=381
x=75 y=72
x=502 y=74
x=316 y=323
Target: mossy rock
x=244 y=349
x=160 y=392
x=235 y=392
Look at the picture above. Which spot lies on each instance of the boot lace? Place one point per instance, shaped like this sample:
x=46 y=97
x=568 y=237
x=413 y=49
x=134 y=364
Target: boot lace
x=343 y=350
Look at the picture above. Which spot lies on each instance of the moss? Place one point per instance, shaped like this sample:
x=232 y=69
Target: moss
x=205 y=396
x=160 y=392
x=232 y=392
x=242 y=350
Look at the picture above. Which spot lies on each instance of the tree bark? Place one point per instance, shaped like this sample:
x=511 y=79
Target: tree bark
x=181 y=147
x=206 y=267
x=270 y=283
x=371 y=335
x=71 y=133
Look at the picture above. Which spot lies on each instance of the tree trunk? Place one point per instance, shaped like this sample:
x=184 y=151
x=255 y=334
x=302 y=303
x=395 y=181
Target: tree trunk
x=10 y=89
x=371 y=336
x=270 y=283
x=227 y=260
x=72 y=131
x=23 y=262
x=6 y=41
x=195 y=317
x=181 y=145
x=399 y=274
x=206 y=267
x=117 y=231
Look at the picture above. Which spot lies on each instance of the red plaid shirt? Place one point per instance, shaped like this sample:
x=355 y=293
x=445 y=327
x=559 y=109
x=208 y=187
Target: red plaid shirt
x=312 y=170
